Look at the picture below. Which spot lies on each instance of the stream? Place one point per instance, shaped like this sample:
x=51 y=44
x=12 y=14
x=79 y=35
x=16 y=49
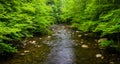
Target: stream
x=65 y=46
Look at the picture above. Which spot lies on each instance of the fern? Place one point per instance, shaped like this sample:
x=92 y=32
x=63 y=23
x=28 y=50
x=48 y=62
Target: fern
x=6 y=48
x=23 y=18
x=106 y=43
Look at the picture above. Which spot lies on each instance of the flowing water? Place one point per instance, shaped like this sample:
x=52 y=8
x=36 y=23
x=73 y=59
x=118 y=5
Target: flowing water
x=65 y=46
x=62 y=51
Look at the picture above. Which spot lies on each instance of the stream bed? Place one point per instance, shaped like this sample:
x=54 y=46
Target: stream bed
x=65 y=46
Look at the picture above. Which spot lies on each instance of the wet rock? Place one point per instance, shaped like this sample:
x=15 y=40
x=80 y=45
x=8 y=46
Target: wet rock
x=64 y=30
x=32 y=42
x=77 y=31
x=84 y=46
x=101 y=40
x=24 y=41
x=81 y=42
x=96 y=40
x=26 y=51
x=53 y=29
x=38 y=46
x=54 y=34
x=24 y=44
x=29 y=41
x=99 y=56
x=63 y=27
x=73 y=33
x=40 y=38
x=118 y=59
x=79 y=35
x=95 y=44
x=49 y=36
x=76 y=44
x=112 y=63
x=102 y=57
x=86 y=34
x=73 y=40
x=23 y=54
x=59 y=32
x=76 y=40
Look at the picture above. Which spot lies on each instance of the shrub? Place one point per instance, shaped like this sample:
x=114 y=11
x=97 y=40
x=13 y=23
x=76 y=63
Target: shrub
x=7 y=48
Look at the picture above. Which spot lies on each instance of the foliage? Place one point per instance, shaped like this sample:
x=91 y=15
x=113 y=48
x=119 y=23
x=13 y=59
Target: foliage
x=103 y=13
x=23 y=18
x=106 y=43
x=6 y=48
x=100 y=16
x=66 y=14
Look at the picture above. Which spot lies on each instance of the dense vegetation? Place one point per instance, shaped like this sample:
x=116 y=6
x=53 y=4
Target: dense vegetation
x=24 y=18
x=98 y=16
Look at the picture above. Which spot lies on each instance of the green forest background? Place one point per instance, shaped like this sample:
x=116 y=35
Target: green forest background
x=21 y=19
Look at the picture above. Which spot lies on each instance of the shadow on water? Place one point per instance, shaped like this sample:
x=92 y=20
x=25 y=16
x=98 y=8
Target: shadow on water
x=63 y=47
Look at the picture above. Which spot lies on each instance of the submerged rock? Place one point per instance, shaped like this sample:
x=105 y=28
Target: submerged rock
x=73 y=40
x=54 y=34
x=59 y=32
x=26 y=51
x=102 y=57
x=99 y=56
x=63 y=27
x=86 y=34
x=76 y=44
x=73 y=33
x=38 y=46
x=81 y=42
x=22 y=54
x=32 y=42
x=112 y=63
x=49 y=36
x=40 y=38
x=85 y=46
x=79 y=35
x=53 y=29
x=77 y=31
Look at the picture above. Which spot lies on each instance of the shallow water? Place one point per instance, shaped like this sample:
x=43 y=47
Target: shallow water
x=65 y=46
x=62 y=51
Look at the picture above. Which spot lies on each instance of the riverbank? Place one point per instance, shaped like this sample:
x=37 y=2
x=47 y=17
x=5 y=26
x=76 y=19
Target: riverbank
x=64 y=46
